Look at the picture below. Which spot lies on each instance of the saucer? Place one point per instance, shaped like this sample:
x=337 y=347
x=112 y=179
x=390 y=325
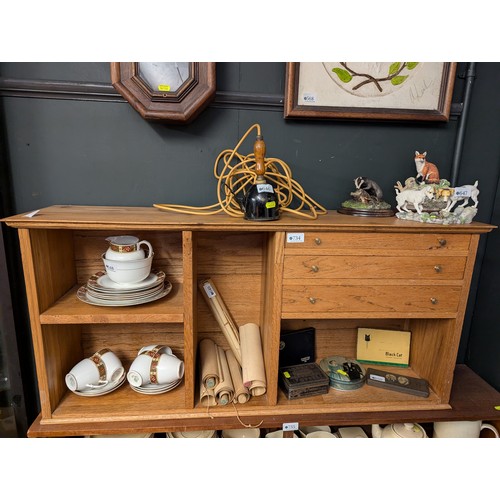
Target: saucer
x=156 y=388
x=104 y=390
x=105 y=282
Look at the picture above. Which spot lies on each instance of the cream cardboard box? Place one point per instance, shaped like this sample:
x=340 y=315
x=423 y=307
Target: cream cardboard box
x=383 y=347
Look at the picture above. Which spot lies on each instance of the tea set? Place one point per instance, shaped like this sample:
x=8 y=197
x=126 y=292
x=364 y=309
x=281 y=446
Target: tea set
x=128 y=278
x=155 y=370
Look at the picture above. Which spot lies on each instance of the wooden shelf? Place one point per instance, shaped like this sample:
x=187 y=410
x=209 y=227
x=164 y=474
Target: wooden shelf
x=71 y=310
x=471 y=399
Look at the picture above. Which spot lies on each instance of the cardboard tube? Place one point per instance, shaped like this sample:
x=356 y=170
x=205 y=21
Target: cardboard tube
x=222 y=316
x=209 y=365
x=241 y=393
x=253 y=370
x=224 y=391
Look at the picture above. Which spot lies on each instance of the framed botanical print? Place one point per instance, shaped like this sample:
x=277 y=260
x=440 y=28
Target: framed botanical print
x=370 y=90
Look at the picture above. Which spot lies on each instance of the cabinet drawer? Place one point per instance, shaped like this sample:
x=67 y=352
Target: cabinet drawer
x=309 y=300
x=378 y=241
x=438 y=267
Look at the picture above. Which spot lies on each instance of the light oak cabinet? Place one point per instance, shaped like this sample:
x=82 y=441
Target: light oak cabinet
x=339 y=274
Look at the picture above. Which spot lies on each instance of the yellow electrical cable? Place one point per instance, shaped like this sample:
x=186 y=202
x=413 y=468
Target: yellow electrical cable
x=234 y=179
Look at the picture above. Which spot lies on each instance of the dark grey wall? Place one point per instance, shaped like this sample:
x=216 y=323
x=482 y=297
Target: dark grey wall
x=97 y=150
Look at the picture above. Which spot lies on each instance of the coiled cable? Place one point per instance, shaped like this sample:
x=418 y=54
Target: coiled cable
x=235 y=172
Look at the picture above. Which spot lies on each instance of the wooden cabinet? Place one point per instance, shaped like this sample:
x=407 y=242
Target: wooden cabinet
x=336 y=274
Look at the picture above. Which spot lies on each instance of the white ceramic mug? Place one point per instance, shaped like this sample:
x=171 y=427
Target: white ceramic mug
x=155 y=369
x=462 y=429
x=94 y=372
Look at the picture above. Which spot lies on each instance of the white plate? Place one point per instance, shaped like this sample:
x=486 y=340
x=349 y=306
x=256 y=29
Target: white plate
x=125 y=295
x=84 y=297
x=101 y=281
x=104 y=390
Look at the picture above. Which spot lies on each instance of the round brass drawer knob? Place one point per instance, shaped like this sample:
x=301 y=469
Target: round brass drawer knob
x=314 y=269
x=317 y=241
x=312 y=300
x=438 y=268
x=434 y=300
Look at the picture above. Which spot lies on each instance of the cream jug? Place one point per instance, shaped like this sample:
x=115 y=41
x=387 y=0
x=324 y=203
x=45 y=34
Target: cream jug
x=127 y=248
x=462 y=429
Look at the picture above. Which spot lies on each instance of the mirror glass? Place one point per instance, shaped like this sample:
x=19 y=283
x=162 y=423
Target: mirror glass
x=164 y=76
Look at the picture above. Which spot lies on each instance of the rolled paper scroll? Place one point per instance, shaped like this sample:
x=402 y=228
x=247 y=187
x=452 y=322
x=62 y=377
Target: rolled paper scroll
x=253 y=371
x=209 y=364
x=207 y=396
x=224 y=391
x=241 y=393
x=222 y=316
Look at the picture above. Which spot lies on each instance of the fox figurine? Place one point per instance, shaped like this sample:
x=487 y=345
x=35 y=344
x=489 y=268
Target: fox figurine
x=426 y=171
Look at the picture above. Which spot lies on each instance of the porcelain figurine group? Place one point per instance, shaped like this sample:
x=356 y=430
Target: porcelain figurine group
x=423 y=198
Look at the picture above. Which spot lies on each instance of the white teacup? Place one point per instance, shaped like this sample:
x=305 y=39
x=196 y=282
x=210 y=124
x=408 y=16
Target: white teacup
x=462 y=429
x=162 y=349
x=250 y=432
x=320 y=434
x=304 y=431
x=278 y=434
x=97 y=371
x=162 y=369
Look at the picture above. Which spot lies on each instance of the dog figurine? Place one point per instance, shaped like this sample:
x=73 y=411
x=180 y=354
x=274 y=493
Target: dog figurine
x=414 y=196
x=466 y=193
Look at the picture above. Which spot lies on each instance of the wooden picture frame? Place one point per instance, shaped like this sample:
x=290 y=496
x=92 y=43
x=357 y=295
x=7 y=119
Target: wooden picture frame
x=157 y=99
x=378 y=91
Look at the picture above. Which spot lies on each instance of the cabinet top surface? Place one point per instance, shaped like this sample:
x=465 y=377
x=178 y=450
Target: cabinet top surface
x=122 y=217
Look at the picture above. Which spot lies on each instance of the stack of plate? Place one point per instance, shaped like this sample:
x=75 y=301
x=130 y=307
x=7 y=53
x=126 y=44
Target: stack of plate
x=100 y=290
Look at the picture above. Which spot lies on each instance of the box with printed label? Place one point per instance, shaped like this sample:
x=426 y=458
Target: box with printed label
x=383 y=347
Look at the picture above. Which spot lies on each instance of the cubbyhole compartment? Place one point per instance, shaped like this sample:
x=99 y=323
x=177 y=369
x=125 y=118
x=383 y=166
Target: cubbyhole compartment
x=430 y=355
x=63 y=260
x=237 y=264
x=66 y=345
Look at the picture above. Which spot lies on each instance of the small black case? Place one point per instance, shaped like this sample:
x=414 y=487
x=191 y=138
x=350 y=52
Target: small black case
x=297 y=347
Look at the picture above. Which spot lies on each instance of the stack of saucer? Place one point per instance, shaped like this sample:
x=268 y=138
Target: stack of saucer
x=102 y=291
x=155 y=370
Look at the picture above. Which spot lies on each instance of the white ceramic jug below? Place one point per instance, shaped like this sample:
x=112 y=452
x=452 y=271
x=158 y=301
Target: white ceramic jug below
x=127 y=248
x=462 y=429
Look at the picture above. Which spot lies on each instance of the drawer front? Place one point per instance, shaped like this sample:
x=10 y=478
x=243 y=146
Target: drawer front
x=377 y=241
x=438 y=267
x=358 y=298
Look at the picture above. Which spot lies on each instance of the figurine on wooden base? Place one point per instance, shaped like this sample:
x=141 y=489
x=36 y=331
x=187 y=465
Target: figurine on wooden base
x=433 y=199
x=366 y=200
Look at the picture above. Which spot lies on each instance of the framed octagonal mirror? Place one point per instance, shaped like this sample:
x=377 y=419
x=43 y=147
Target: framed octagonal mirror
x=174 y=92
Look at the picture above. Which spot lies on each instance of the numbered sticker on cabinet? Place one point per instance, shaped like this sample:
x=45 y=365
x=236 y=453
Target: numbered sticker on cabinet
x=295 y=237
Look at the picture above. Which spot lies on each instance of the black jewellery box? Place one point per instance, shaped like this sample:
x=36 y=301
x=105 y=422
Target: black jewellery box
x=297 y=347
